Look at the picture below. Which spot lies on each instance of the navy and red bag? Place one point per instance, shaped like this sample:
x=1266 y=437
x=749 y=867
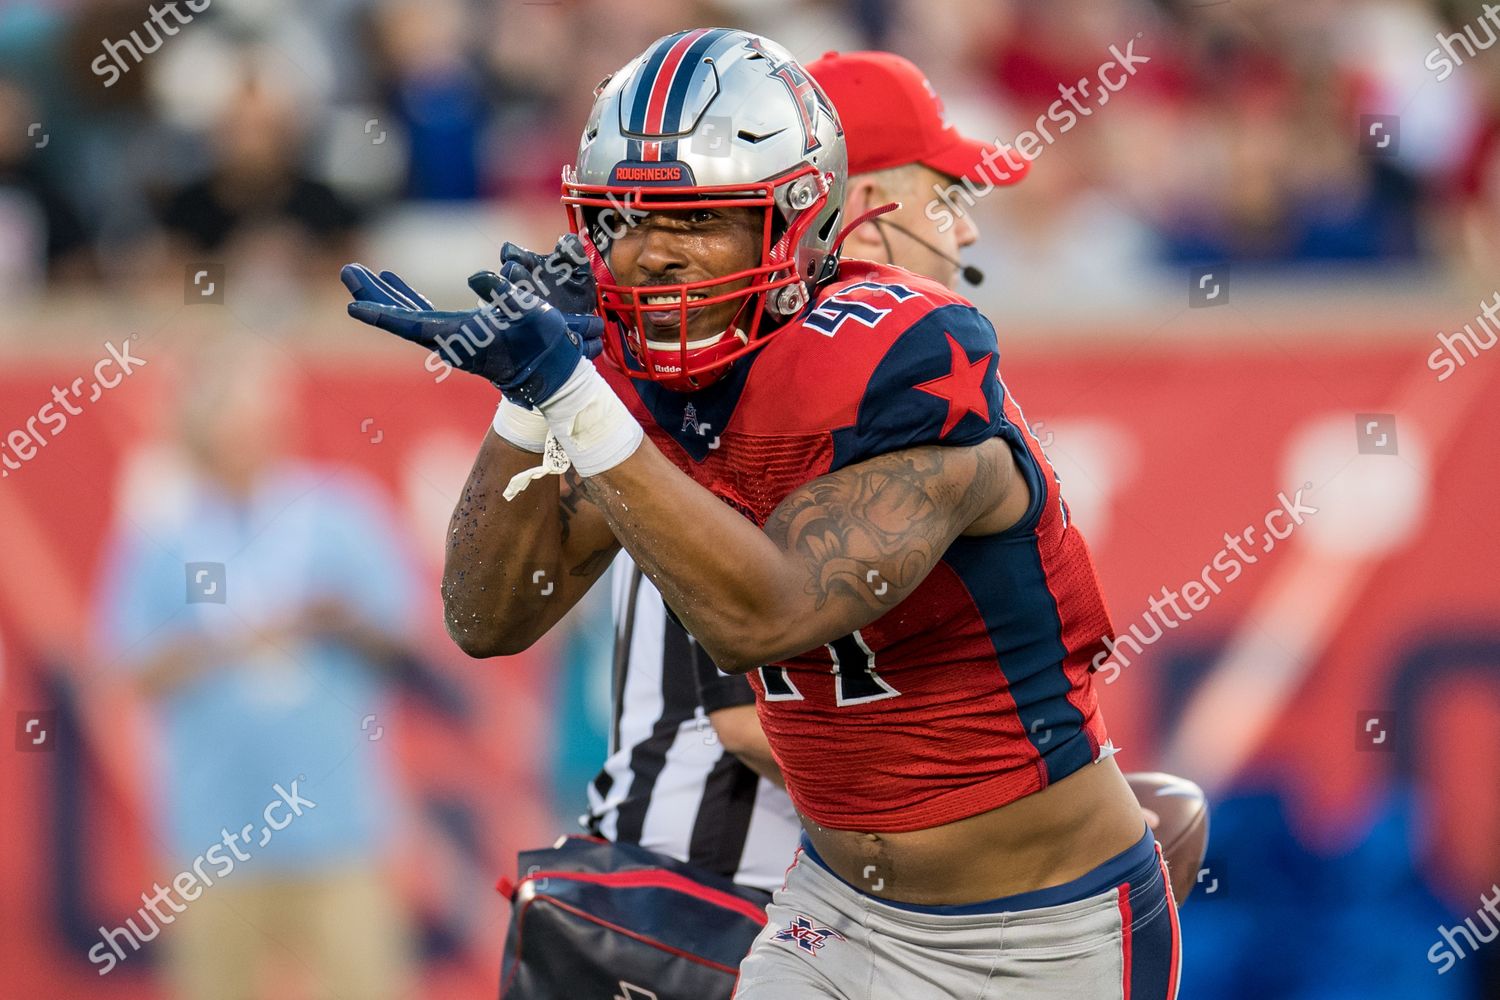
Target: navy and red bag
x=591 y=918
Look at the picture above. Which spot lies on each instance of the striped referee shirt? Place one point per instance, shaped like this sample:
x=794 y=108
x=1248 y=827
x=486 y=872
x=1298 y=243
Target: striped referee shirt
x=669 y=785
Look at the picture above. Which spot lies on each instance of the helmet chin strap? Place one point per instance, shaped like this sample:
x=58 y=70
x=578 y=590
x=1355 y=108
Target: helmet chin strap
x=602 y=274
x=873 y=213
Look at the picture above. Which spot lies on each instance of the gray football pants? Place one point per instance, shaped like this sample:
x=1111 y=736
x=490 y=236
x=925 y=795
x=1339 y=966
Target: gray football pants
x=1110 y=935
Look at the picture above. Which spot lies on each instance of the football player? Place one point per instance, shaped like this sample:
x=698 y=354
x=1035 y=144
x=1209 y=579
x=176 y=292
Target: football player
x=870 y=531
x=714 y=797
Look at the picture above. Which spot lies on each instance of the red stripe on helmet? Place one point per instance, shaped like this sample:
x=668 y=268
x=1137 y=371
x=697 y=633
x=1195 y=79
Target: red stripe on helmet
x=656 y=107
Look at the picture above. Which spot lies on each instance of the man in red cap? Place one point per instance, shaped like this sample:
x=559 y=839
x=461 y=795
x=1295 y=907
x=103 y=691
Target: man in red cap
x=903 y=149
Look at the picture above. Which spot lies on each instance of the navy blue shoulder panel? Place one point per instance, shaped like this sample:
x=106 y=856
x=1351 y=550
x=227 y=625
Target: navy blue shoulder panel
x=938 y=383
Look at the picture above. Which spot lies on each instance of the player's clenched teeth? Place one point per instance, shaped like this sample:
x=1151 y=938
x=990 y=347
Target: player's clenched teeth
x=670 y=300
x=659 y=306
x=664 y=314
x=665 y=317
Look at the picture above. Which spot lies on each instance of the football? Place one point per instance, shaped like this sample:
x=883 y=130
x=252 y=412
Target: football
x=1177 y=811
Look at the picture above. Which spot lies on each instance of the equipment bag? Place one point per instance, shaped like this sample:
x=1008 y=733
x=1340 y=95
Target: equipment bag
x=595 y=920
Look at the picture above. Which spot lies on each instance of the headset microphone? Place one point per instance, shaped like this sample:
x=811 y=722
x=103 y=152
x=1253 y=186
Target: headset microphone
x=971 y=274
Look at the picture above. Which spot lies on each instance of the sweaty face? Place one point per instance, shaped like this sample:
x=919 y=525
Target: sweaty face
x=679 y=247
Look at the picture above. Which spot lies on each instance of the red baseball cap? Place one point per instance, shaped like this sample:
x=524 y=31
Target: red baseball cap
x=892 y=117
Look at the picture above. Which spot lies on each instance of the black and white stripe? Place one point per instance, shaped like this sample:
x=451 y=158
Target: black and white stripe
x=668 y=784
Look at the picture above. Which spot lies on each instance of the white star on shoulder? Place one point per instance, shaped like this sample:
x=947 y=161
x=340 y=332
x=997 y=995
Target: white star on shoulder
x=1107 y=751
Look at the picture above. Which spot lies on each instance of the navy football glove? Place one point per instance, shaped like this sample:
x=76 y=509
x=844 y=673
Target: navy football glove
x=523 y=346
x=562 y=279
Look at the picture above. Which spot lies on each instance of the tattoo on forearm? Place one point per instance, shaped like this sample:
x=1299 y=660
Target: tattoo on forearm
x=572 y=495
x=872 y=532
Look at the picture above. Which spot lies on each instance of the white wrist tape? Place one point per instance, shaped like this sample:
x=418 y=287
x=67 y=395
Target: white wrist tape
x=591 y=423
x=526 y=429
x=555 y=462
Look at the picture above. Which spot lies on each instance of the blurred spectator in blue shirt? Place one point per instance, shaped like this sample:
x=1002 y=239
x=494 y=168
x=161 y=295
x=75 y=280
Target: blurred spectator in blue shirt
x=261 y=605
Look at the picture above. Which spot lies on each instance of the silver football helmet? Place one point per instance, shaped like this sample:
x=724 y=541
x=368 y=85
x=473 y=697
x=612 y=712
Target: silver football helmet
x=710 y=118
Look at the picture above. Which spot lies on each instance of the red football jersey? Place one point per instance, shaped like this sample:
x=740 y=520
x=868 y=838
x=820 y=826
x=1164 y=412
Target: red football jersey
x=975 y=690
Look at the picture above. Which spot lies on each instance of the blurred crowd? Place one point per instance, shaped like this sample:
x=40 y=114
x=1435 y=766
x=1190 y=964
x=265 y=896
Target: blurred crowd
x=281 y=135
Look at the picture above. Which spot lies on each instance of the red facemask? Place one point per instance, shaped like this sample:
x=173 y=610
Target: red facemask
x=679 y=366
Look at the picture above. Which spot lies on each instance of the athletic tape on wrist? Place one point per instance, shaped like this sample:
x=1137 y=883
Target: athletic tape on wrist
x=555 y=462
x=591 y=423
x=526 y=429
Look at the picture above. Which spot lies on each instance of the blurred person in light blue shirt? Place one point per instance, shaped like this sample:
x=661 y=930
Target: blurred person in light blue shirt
x=261 y=606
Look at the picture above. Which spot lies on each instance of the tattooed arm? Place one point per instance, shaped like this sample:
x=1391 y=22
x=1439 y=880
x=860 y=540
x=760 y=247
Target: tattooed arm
x=513 y=569
x=834 y=556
